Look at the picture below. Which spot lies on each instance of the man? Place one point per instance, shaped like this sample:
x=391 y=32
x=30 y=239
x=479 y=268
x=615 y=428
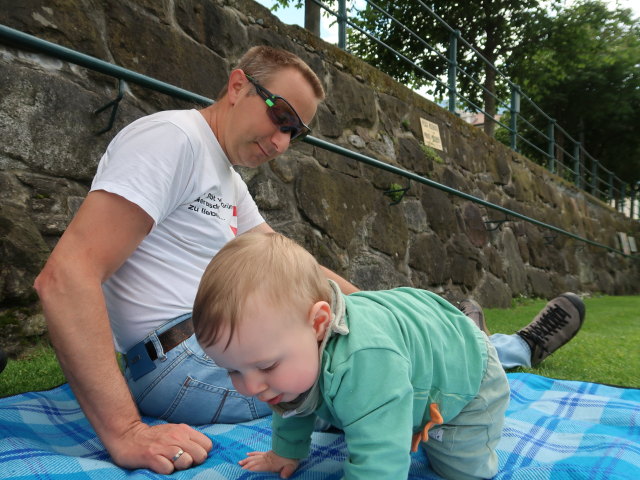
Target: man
x=164 y=200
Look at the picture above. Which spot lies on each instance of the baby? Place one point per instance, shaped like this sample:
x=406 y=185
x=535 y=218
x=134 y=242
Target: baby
x=393 y=369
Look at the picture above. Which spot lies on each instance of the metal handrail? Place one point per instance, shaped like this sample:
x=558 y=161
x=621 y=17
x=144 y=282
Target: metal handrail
x=25 y=40
x=546 y=156
x=413 y=176
x=13 y=36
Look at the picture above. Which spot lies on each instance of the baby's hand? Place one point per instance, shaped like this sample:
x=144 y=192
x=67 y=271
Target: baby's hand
x=269 y=462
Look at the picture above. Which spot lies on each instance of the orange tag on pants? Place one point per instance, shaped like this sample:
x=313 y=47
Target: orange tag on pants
x=423 y=436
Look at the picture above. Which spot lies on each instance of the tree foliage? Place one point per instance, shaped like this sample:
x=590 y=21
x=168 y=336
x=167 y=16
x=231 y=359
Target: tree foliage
x=581 y=66
x=490 y=27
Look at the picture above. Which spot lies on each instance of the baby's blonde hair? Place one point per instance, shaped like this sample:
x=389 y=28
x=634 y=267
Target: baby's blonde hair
x=267 y=263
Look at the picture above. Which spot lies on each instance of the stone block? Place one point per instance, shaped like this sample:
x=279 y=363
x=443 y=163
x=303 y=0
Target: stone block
x=335 y=203
x=337 y=162
x=415 y=216
x=411 y=156
x=162 y=52
x=213 y=26
x=59 y=21
x=48 y=124
x=524 y=188
x=540 y=283
x=23 y=253
x=494 y=292
x=428 y=254
x=440 y=212
x=375 y=271
x=474 y=224
x=464 y=261
x=389 y=232
x=514 y=266
x=345 y=90
x=326 y=120
x=323 y=249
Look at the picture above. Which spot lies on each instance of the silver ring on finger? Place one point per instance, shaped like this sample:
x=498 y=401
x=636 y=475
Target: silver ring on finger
x=177 y=456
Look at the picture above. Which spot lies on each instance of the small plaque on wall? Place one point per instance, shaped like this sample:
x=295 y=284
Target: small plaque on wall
x=624 y=243
x=632 y=244
x=431 y=134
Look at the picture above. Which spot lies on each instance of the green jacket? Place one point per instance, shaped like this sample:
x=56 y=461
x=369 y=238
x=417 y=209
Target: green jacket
x=406 y=348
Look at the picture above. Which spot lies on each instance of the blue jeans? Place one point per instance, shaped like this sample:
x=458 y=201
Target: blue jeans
x=512 y=350
x=186 y=386
x=465 y=447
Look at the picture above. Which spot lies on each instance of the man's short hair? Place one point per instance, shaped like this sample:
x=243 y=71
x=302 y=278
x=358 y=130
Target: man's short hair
x=269 y=264
x=262 y=62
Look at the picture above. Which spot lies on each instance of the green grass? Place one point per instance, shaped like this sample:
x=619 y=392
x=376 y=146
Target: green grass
x=606 y=350
x=36 y=369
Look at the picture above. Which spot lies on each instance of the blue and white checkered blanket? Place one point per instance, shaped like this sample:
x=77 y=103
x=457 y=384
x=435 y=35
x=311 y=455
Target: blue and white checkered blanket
x=554 y=430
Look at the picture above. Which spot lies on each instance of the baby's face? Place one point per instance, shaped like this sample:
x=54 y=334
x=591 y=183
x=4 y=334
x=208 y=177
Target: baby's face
x=274 y=352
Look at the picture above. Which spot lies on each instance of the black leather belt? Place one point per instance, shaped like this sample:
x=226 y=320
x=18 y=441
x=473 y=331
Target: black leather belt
x=171 y=338
x=141 y=356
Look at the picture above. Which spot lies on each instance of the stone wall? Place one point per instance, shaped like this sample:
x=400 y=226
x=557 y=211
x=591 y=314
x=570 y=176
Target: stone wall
x=335 y=206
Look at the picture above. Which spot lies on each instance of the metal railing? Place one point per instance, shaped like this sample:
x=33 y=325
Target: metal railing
x=15 y=37
x=540 y=142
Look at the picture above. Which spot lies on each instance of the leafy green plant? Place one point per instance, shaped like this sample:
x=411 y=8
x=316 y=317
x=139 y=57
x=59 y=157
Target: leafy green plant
x=431 y=154
x=396 y=193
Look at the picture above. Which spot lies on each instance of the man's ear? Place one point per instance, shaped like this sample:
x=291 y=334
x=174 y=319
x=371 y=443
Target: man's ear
x=237 y=80
x=320 y=318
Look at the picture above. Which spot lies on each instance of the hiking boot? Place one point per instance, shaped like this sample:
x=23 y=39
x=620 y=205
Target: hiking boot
x=556 y=324
x=473 y=310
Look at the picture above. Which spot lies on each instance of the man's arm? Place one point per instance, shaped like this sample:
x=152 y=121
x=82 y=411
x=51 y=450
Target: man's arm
x=345 y=286
x=103 y=234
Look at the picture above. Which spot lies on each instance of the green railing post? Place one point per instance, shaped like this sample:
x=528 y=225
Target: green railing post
x=594 y=177
x=515 y=110
x=453 y=67
x=623 y=194
x=610 y=181
x=576 y=165
x=342 y=24
x=551 y=146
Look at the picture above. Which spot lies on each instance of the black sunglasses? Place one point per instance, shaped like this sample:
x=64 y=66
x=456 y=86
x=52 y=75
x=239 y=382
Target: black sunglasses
x=281 y=113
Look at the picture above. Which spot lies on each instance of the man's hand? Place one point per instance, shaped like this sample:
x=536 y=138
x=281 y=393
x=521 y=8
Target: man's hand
x=269 y=462
x=143 y=446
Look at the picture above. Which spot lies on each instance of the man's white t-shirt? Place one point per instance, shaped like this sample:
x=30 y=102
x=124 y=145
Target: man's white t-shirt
x=171 y=165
